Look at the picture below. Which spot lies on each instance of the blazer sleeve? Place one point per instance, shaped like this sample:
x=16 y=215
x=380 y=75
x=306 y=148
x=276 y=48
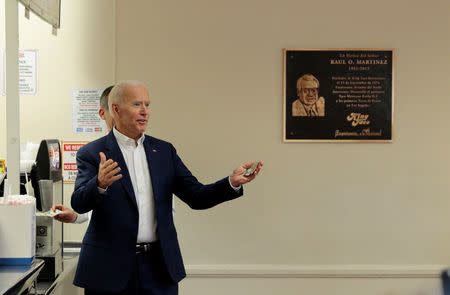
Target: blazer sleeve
x=86 y=196
x=197 y=195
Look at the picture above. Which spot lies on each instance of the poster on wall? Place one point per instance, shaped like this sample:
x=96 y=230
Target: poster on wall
x=85 y=106
x=28 y=75
x=28 y=80
x=338 y=95
x=69 y=156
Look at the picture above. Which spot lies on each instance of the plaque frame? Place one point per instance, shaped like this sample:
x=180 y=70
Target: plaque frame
x=354 y=95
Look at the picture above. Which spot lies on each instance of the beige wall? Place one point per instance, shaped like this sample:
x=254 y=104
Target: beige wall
x=215 y=69
x=321 y=218
x=82 y=55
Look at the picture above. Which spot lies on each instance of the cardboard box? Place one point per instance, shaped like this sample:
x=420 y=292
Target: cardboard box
x=17 y=230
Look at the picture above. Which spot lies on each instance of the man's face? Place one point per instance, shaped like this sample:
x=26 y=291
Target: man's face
x=308 y=93
x=132 y=113
x=105 y=115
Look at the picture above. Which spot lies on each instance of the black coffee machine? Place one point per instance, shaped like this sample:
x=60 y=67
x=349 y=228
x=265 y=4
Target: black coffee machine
x=47 y=183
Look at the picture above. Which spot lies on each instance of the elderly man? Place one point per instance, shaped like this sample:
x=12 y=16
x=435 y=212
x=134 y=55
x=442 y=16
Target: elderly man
x=127 y=179
x=308 y=103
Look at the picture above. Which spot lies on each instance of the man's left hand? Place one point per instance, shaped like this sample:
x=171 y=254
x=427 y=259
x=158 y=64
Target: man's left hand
x=238 y=178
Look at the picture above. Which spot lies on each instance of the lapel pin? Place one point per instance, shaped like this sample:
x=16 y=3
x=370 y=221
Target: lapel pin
x=154 y=151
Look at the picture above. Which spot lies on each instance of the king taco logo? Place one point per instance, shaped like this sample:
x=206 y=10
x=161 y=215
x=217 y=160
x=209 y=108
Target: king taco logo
x=358 y=119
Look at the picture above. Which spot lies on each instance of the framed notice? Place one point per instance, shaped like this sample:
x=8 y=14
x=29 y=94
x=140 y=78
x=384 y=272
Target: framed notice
x=69 y=159
x=338 y=95
x=28 y=76
x=85 y=105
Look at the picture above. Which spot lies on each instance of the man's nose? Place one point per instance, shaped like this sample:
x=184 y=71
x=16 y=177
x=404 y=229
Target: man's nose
x=144 y=109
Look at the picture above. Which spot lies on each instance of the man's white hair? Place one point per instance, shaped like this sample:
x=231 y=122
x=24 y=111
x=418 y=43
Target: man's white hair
x=116 y=95
x=306 y=77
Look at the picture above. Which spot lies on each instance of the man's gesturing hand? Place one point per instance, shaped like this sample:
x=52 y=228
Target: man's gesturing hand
x=238 y=178
x=107 y=172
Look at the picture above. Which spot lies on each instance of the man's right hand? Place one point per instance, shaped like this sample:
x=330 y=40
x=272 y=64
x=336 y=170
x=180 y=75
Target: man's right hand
x=107 y=172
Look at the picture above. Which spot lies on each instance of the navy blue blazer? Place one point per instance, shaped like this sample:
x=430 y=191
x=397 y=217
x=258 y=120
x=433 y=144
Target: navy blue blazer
x=108 y=251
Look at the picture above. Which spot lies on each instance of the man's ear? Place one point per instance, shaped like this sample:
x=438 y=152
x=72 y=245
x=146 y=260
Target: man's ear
x=115 y=108
x=101 y=113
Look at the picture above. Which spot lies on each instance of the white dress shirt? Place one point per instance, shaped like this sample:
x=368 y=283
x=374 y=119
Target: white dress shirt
x=83 y=217
x=136 y=162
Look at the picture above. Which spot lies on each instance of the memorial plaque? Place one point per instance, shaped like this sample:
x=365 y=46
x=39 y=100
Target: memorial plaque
x=338 y=95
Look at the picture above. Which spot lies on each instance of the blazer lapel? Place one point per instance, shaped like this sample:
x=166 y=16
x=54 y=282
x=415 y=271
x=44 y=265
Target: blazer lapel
x=115 y=154
x=151 y=153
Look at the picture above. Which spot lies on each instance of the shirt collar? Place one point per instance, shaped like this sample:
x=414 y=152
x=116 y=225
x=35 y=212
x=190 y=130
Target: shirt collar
x=310 y=107
x=125 y=141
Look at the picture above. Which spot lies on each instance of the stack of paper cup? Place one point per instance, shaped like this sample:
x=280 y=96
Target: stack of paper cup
x=17 y=230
